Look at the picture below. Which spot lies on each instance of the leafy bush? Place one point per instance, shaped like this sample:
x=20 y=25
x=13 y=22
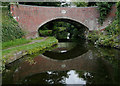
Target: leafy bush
x=112 y=29
x=81 y=4
x=10 y=27
x=105 y=41
x=118 y=15
x=112 y=38
x=5 y=3
x=61 y=28
x=45 y=32
x=62 y=35
x=93 y=36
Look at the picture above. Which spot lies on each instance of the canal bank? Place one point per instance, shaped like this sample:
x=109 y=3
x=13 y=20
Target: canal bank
x=103 y=40
x=13 y=53
x=68 y=63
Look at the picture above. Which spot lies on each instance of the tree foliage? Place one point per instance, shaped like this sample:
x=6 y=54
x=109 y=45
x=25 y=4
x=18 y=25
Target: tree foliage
x=118 y=14
x=5 y=3
x=81 y=4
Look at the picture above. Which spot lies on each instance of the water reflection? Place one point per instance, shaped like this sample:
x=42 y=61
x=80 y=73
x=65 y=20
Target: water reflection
x=66 y=50
x=74 y=78
x=94 y=66
x=55 y=77
x=43 y=63
x=64 y=46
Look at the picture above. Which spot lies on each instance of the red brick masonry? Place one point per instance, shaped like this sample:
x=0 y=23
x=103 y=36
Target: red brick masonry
x=30 y=18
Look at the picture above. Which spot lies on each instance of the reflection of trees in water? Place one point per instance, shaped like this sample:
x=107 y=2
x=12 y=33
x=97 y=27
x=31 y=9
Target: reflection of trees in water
x=110 y=56
x=104 y=74
x=95 y=78
x=50 y=77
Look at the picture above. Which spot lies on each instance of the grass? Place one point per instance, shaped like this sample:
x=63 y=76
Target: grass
x=14 y=43
x=39 y=38
x=30 y=48
x=17 y=42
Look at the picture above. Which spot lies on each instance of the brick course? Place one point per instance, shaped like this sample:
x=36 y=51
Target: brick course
x=30 y=18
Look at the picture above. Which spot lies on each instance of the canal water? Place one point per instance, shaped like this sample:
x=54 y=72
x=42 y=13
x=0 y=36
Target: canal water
x=70 y=62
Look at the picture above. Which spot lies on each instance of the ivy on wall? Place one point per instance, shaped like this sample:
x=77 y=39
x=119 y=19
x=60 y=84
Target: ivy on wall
x=104 y=8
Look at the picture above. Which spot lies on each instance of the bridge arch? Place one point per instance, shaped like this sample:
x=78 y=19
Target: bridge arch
x=81 y=27
x=69 y=20
x=30 y=18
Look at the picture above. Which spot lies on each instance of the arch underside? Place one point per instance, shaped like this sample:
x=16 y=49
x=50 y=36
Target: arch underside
x=65 y=19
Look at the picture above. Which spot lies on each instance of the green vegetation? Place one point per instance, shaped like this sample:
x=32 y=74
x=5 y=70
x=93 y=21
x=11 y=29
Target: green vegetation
x=50 y=32
x=45 y=32
x=5 y=4
x=29 y=48
x=93 y=36
x=10 y=27
x=18 y=42
x=62 y=29
x=14 y=43
x=62 y=35
x=110 y=36
x=118 y=16
x=81 y=4
x=104 y=8
x=13 y=36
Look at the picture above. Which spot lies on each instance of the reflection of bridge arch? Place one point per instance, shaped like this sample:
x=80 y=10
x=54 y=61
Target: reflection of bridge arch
x=63 y=52
x=43 y=64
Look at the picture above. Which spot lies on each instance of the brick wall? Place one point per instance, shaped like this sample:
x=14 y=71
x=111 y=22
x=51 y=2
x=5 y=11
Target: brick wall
x=30 y=18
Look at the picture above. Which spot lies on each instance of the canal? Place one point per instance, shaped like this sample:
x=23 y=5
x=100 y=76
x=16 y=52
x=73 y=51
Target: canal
x=69 y=62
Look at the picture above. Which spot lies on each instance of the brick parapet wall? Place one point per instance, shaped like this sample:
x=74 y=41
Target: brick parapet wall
x=30 y=18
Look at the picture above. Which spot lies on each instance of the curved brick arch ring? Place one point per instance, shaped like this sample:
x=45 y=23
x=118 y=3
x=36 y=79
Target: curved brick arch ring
x=63 y=18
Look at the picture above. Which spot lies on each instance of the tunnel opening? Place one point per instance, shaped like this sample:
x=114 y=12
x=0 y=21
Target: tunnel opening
x=63 y=29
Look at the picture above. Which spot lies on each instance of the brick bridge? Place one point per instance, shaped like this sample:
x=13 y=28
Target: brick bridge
x=31 y=18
